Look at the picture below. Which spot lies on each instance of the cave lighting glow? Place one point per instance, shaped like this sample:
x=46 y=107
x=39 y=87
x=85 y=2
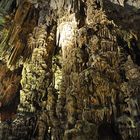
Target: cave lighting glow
x=66 y=32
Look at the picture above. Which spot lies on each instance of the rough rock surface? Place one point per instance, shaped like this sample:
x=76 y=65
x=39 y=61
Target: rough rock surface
x=80 y=70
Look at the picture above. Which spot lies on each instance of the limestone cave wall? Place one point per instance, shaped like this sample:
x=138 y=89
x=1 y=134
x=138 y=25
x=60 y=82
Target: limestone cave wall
x=69 y=70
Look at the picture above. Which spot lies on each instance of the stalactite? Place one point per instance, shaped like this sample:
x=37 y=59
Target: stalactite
x=33 y=72
x=33 y=93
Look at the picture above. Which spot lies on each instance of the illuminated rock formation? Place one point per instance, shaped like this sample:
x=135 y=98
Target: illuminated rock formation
x=75 y=65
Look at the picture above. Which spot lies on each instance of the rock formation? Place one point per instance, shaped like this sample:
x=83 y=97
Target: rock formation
x=69 y=70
